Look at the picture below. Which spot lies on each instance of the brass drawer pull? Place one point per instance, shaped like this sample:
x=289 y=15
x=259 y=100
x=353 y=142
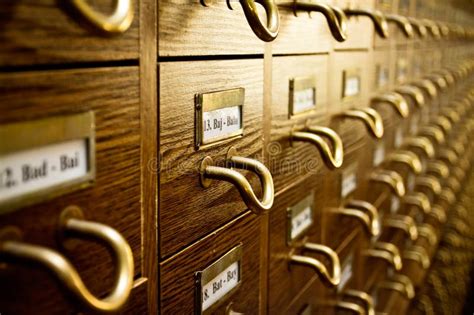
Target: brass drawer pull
x=335 y=17
x=313 y=135
x=438 y=80
x=448 y=155
x=438 y=213
x=209 y=172
x=344 y=306
x=433 y=27
x=365 y=212
x=419 y=27
x=330 y=279
x=405 y=157
x=418 y=254
x=377 y=17
x=64 y=271
x=404 y=223
x=401 y=284
x=371 y=118
x=444 y=123
x=403 y=23
x=419 y=200
x=427 y=231
x=421 y=143
x=268 y=32
x=430 y=182
x=118 y=22
x=387 y=252
x=396 y=100
x=391 y=178
x=364 y=297
x=438 y=168
x=428 y=86
x=434 y=132
x=414 y=93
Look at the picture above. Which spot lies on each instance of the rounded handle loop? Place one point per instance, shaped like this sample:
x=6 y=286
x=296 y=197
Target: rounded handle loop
x=419 y=200
x=364 y=298
x=419 y=27
x=332 y=278
x=268 y=32
x=428 y=86
x=377 y=18
x=396 y=100
x=405 y=157
x=418 y=254
x=373 y=121
x=434 y=132
x=414 y=93
x=404 y=223
x=391 y=178
x=374 y=225
x=421 y=143
x=403 y=23
x=430 y=182
x=401 y=284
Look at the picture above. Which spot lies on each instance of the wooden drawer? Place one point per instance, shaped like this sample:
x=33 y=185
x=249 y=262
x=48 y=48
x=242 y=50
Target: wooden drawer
x=113 y=96
x=290 y=161
x=386 y=7
x=178 y=290
x=43 y=32
x=188 y=28
x=380 y=77
x=184 y=220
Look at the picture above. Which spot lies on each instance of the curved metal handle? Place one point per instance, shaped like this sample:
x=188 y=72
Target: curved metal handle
x=438 y=80
x=403 y=23
x=444 y=29
x=419 y=27
x=413 y=92
x=335 y=17
x=405 y=157
x=370 y=225
x=447 y=75
x=430 y=182
x=330 y=279
x=117 y=22
x=370 y=209
x=444 y=123
x=377 y=17
x=428 y=86
x=421 y=143
x=438 y=213
x=388 y=253
x=451 y=114
x=404 y=223
x=65 y=272
x=433 y=27
x=427 y=231
x=364 y=297
x=267 y=32
x=448 y=195
x=344 y=306
x=448 y=155
x=391 y=178
x=401 y=284
x=370 y=117
x=434 y=132
x=396 y=100
x=419 y=200
x=333 y=159
x=418 y=254
x=208 y=172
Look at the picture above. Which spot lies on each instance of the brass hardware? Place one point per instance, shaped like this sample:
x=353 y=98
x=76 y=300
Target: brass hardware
x=377 y=17
x=448 y=155
x=405 y=157
x=391 y=178
x=419 y=27
x=365 y=212
x=438 y=168
x=422 y=143
x=453 y=185
x=387 y=252
x=419 y=200
x=209 y=171
x=452 y=115
x=447 y=75
x=427 y=231
x=427 y=86
x=438 y=80
x=448 y=195
x=401 y=284
x=64 y=271
x=427 y=305
x=403 y=23
x=364 y=297
x=396 y=100
x=370 y=117
x=330 y=280
x=432 y=27
x=313 y=135
x=434 y=132
x=413 y=92
x=404 y=223
x=418 y=254
x=300 y=85
x=438 y=213
x=117 y=22
x=444 y=123
x=430 y=182
x=344 y=306
x=335 y=17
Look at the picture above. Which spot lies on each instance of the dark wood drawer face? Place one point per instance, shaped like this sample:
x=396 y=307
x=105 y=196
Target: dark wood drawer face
x=44 y=32
x=202 y=210
x=177 y=274
x=114 y=197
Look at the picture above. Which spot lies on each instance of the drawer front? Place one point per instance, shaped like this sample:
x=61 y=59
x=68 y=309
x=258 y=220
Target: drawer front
x=386 y=7
x=381 y=78
x=44 y=32
x=113 y=95
x=188 y=28
x=178 y=274
x=184 y=220
x=290 y=161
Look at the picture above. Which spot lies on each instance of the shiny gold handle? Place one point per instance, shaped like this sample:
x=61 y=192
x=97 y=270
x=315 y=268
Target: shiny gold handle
x=438 y=80
x=377 y=17
x=391 y=178
x=65 y=272
x=396 y=100
x=335 y=17
x=405 y=157
x=413 y=92
x=432 y=27
x=448 y=195
x=117 y=22
x=268 y=32
x=428 y=232
x=427 y=86
x=419 y=27
x=313 y=135
x=404 y=223
x=370 y=117
x=209 y=172
x=434 y=132
x=401 y=284
x=444 y=123
x=364 y=297
x=418 y=254
x=389 y=254
x=443 y=29
x=448 y=155
x=451 y=114
x=419 y=200
x=365 y=212
x=422 y=143
x=438 y=213
x=330 y=279
x=447 y=75
x=403 y=23
x=430 y=182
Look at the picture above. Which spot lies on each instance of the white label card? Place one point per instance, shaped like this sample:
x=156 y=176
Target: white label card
x=221 y=123
x=394 y=204
x=349 y=181
x=411 y=182
x=33 y=170
x=301 y=222
x=346 y=274
x=379 y=153
x=219 y=286
x=398 y=137
x=351 y=86
x=414 y=123
x=304 y=100
x=382 y=76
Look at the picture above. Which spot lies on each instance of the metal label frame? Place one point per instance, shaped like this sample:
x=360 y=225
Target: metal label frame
x=206 y=102
x=293 y=211
x=298 y=84
x=210 y=272
x=37 y=133
x=349 y=170
x=347 y=74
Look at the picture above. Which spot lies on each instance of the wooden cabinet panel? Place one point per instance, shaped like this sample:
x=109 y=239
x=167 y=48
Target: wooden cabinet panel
x=380 y=77
x=184 y=220
x=114 y=197
x=178 y=280
x=44 y=32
